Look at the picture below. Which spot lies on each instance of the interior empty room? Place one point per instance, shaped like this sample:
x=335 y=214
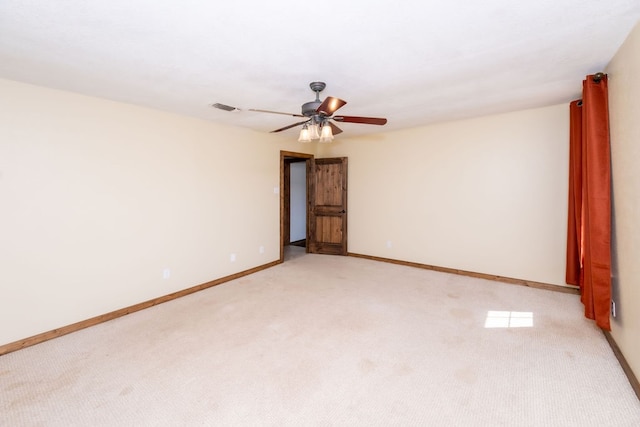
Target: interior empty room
x=178 y=248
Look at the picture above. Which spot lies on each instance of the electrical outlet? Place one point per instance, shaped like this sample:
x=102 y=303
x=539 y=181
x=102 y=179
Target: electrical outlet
x=613 y=308
x=261 y=249
x=389 y=243
x=166 y=273
x=232 y=258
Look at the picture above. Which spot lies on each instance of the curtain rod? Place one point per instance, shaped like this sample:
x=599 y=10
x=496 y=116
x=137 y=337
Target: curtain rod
x=596 y=78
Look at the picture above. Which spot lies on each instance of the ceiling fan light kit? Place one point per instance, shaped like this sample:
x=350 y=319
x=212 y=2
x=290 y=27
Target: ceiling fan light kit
x=318 y=126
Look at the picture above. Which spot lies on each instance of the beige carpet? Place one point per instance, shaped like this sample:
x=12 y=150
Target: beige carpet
x=330 y=341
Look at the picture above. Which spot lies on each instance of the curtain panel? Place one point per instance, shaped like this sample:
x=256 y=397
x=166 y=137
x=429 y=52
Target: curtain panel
x=589 y=215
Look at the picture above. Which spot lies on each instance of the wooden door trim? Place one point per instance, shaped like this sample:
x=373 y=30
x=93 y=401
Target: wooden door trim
x=284 y=187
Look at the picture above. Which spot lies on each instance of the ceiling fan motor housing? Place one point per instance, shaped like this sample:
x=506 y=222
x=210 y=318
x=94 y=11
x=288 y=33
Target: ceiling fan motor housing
x=309 y=108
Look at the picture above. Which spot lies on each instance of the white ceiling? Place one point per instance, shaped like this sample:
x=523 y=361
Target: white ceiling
x=412 y=61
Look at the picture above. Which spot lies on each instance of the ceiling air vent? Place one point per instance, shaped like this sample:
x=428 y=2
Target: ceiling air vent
x=223 y=107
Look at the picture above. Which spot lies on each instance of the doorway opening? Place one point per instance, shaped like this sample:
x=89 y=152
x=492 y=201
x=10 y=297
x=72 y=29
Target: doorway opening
x=294 y=202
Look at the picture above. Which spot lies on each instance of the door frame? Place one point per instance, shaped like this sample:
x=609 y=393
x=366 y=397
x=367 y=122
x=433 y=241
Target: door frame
x=285 y=194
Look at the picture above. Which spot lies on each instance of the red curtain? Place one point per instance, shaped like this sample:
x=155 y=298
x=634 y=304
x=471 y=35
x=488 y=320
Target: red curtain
x=589 y=221
x=574 y=226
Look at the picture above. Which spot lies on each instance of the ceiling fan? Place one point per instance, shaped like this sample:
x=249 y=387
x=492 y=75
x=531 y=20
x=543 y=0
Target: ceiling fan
x=318 y=117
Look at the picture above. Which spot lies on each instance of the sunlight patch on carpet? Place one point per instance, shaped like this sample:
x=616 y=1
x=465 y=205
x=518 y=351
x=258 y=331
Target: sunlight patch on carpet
x=509 y=319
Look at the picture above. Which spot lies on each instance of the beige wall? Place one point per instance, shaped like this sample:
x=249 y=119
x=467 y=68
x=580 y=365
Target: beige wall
x=624 y=108
x=487 y=195
x=97 y=198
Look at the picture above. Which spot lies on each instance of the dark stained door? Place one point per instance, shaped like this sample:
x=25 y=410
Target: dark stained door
x=327 y=196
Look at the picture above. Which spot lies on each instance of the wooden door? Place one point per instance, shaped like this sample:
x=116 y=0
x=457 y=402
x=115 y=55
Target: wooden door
x=327 y=197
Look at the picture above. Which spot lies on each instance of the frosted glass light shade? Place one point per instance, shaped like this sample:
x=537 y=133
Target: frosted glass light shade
x=327 y=133
x=313 y=131
x=304 y=135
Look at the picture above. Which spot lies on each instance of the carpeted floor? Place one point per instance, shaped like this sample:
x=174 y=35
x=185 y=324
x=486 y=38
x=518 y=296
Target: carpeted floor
x=330 y=341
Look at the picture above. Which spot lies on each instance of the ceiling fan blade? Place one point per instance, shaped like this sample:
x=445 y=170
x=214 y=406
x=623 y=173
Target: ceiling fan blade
x=364 y=120
x=330 y=105
x=276 y=112
x=335 y=129
x=289 y=127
